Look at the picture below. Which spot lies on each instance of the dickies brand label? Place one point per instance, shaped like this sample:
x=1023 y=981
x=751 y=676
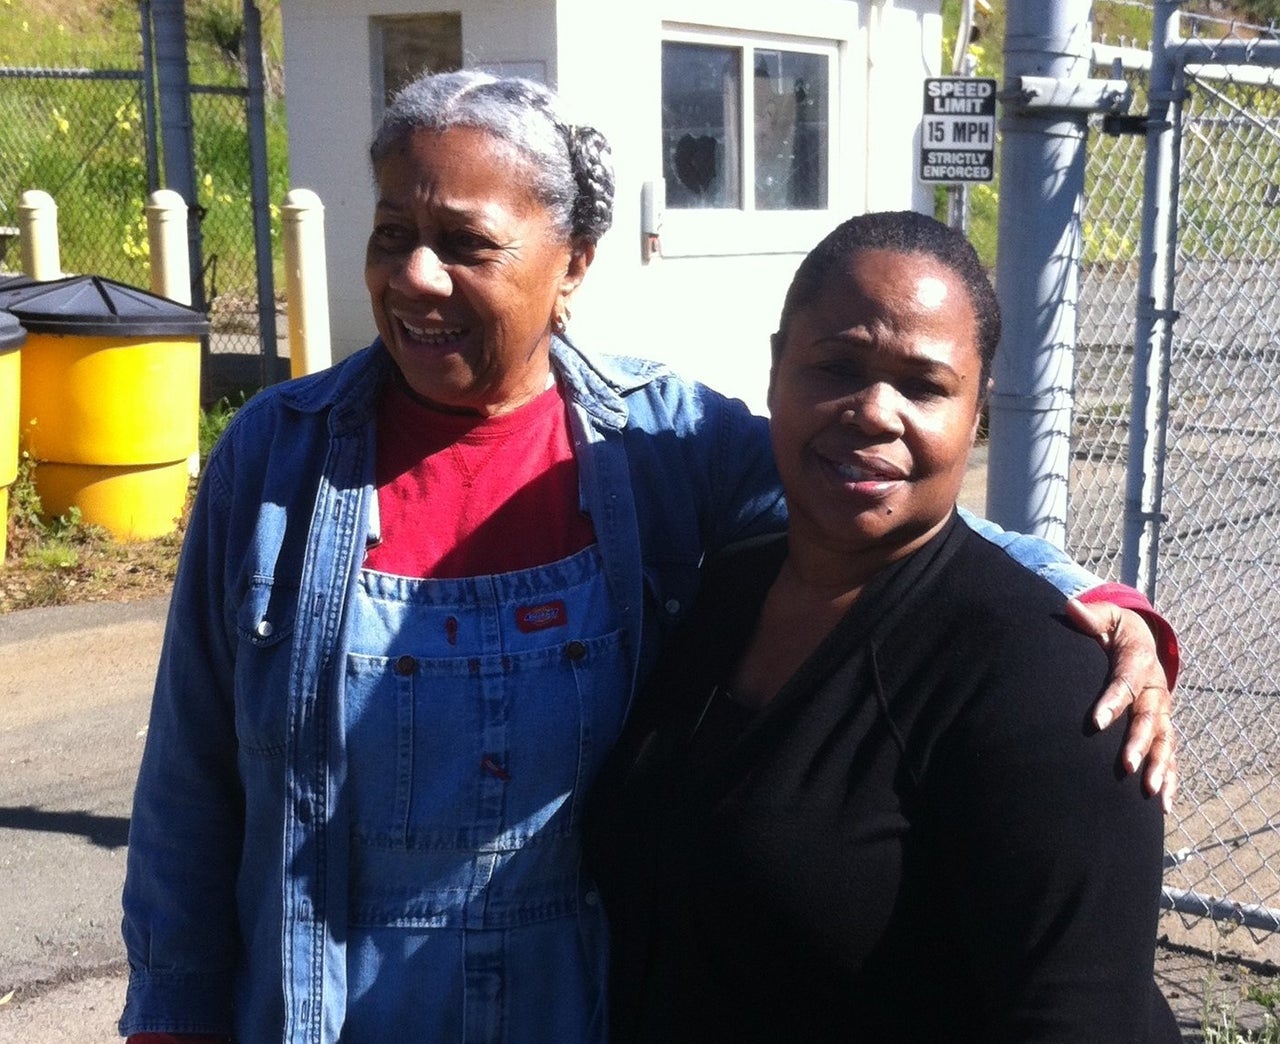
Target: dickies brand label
x=530 y=618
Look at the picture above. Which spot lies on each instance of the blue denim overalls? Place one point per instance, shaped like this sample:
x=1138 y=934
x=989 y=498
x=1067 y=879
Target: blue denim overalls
x=478 y=712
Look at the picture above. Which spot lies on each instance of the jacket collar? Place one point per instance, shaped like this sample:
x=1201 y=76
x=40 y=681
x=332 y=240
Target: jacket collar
x=349 y=389
x=600 y=385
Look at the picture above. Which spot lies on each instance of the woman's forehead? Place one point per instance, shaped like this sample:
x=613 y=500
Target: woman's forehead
x=461 y=168
x=899 y=282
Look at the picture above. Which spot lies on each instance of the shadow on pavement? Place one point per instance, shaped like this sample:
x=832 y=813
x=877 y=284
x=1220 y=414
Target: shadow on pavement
x=103 y=831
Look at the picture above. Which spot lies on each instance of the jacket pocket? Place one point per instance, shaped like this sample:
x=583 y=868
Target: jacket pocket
x=264 y=625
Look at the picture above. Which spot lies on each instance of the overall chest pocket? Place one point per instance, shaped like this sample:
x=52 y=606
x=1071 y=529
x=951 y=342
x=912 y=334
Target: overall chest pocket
x=482 y=753
x=264 y=630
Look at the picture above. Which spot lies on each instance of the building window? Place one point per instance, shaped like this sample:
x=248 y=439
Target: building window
x=711 y=159
x=405 y=46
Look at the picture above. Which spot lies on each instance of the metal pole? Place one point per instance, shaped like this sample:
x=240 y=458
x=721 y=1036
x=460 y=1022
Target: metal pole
x=173 y=76
x=259 y=192
x=149 y=97
x=1037 y=272
x=1153 y=326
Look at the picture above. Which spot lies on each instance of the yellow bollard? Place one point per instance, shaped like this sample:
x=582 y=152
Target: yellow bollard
x=167 y=243
x=38 y=235
x=306 y=284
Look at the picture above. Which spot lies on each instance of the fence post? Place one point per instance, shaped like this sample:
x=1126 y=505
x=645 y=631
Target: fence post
x=1153 y=327
x=38 y=235
x=173 y=81
x=306 y=285
x=167 y=239
x=259 y=190
x=1038 y=271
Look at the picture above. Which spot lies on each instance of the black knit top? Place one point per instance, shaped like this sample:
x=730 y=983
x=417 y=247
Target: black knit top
x=920 y=838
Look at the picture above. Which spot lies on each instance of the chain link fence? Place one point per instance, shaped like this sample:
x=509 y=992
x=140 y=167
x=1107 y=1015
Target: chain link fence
x=80 y=136
x=1218 y=573
x=226 y=217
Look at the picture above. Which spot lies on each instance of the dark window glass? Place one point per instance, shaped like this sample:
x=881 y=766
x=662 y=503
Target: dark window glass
x=414 y=44
x=702 y=125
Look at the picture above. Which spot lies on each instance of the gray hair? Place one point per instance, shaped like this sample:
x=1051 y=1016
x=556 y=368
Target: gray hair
x=571 y=165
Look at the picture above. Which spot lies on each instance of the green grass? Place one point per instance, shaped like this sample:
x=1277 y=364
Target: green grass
x=214 y=421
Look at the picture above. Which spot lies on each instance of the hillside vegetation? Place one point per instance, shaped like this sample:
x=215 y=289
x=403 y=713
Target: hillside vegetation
x=101 y=34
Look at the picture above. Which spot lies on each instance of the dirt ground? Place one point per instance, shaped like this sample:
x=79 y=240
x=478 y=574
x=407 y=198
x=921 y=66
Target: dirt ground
x=1208 y=989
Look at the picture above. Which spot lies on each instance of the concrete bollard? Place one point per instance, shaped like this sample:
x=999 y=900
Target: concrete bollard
x=170 y=262
x=38 y=235
x=306 y=284
x=167 y=238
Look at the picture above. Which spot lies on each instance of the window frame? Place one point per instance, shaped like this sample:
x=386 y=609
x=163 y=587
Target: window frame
x=708 y=231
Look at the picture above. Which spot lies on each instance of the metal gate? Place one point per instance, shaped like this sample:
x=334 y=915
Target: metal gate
x=1180 y=408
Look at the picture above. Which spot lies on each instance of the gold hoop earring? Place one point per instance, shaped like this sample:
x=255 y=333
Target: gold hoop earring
x=560 y=320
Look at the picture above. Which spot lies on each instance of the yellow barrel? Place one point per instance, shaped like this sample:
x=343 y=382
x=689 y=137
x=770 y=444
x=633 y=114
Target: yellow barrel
x=110 y=401
x=132 y=502
x=11 y=337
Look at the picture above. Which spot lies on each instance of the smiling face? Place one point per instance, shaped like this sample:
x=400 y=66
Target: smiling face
x=466 y=271
x=874 y=407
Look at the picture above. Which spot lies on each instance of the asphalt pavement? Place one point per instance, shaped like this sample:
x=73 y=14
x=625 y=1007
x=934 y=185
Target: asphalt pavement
x=75 y=688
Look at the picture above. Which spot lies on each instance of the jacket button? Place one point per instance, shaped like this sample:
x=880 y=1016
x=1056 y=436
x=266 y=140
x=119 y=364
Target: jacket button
x=406 y=665
x=575 y=650
x=264 y=629
x=672 y=606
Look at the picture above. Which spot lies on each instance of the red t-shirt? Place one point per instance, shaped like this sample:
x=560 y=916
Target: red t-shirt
x=463 y=495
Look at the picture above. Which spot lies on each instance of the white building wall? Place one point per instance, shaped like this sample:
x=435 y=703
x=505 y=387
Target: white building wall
x=708 y=316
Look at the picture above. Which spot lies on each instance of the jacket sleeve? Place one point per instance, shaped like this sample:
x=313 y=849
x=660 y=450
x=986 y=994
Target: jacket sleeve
x=1041 y=557
x=186 y=832
x=1074 y=581
x=745 y=488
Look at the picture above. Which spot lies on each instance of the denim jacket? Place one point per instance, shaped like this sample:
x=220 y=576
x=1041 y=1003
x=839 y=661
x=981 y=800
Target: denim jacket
x=240 y=823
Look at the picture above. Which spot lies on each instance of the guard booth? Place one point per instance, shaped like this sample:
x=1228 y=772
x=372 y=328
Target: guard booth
x=742 y=131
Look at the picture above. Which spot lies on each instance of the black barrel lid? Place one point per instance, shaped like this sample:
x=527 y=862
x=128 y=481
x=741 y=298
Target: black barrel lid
x=11 y=332
x=95 y=306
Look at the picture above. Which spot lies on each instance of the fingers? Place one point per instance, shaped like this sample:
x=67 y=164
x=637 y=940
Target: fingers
x=1168 y=788
x=1137 y=684
x=1160 y=779
x=1115 y=700
x=1099 y=620
x=1139 y=742
x=1151 y=740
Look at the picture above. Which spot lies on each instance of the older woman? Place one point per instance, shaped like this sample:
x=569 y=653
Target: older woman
x=416 y=594
x=822 y=823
